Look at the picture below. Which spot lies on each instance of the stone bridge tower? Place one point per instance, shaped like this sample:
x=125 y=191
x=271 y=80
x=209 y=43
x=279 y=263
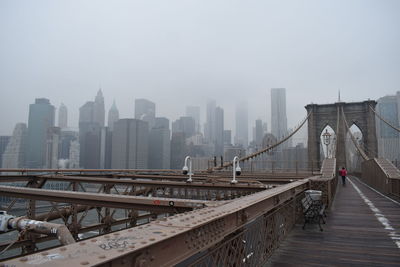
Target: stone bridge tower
x=357 y=113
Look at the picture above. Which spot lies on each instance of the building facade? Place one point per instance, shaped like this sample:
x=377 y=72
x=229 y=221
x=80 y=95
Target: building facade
x=130 y=144
x=41 y=117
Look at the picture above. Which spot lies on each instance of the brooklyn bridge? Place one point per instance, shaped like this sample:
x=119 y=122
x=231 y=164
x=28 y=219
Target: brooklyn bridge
x=240 y=213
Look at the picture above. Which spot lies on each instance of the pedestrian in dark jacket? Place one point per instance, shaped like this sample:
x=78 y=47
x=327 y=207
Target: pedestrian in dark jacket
x=343 y=173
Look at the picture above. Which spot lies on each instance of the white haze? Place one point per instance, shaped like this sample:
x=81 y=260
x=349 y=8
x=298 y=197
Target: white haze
x=178 y=53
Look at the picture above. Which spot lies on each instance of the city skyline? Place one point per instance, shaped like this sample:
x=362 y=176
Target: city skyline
x=176 y=55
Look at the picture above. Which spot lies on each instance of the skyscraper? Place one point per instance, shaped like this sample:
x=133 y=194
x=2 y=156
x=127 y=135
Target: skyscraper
x=113 y=116
x=3 y=144
x=160 y=145
x=278 y=112
x=130 y=144
x=209 y=128
x=41 y=117
x=89 y=137
x=219 y=131
x=227 y=137
x=259 y=132
x=179 y=150
x=145 y=110
x=242 y=125
x=98 y=108
x=14 y=154
x=63 y=116
x=388 y=138
x=53 y=141
x=185 y=125
x=194 y=112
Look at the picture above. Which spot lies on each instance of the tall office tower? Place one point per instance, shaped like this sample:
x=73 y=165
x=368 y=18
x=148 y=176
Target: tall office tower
x=53 y=139
x=145 y=110
x=219 y=131
x=14 y=154
x=388 y=138
x=4 y=140
x=194 y=112
x=41 y=117
x=105 y=148
x=130 y=144
x=160 y=145
x=209 y=127
x=98 y=109
x=74 y=155
x=242 y=125
x=63 y=116
x=185 y=125
x=179 y=150
x=278 y=112
x=89 y=137
x=113 y=116
x=227 y=137
x=67 y=137
x=259 y=132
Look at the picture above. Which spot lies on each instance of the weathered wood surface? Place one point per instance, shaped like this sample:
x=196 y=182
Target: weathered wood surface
x=353 y=235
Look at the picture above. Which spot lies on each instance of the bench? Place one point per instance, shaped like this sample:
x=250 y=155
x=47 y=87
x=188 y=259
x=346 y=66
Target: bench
x=313 y=211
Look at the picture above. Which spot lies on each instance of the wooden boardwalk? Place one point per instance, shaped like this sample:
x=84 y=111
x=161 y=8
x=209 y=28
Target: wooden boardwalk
x=362 y=229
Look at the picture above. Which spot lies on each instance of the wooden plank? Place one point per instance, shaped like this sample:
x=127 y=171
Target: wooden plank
x=353 y=236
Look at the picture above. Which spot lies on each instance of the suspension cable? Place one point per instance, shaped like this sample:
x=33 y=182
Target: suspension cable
x=359 y=149
x=385 y=121
x=336 y=134
x=255 y=154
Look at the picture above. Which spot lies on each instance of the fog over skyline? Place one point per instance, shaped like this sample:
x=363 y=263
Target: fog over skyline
x=180 y=53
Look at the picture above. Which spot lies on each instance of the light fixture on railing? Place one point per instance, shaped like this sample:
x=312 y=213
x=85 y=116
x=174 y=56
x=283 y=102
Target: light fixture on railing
x=236 y=169
x=188 y=170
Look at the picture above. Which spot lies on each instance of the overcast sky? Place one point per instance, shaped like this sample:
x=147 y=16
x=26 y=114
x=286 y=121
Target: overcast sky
x=178 y=53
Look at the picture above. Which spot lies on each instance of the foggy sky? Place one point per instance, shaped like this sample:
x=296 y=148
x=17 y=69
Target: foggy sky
x=178 y=53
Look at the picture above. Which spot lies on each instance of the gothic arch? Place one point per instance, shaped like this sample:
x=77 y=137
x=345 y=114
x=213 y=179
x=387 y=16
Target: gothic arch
x=357 y=113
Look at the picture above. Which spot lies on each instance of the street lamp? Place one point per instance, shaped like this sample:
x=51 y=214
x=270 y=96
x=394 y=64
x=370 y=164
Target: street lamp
x=236 y=169
x=187 y=170
x=327 y=140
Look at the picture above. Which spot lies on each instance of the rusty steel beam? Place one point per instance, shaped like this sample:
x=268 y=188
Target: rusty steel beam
x=156 y=184
x=86 y=170
x=168 y=241
x=93 y=227
x=104 y=200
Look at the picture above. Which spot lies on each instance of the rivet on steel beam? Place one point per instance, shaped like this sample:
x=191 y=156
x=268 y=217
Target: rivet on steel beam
x=84 y=263
x=82 y=243
x=116 y=233
x=120 y=250
x=63 y=248
x=131 y=246
x=152 y=239
x=102 y=256
x=45 y=253
x=23 y=259
x=93 y=240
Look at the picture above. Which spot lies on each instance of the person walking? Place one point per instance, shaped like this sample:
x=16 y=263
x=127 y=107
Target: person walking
x=343 y=173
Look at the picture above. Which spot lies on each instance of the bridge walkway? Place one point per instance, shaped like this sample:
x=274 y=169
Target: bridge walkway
x=362 y=229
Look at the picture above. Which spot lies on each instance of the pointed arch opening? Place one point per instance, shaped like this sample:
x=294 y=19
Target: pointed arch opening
x=328 y=142
x=353 y=157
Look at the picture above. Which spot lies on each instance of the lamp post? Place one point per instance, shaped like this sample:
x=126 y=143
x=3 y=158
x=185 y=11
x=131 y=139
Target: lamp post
x=236 y=169
x=187 y=170
x=327 y=140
